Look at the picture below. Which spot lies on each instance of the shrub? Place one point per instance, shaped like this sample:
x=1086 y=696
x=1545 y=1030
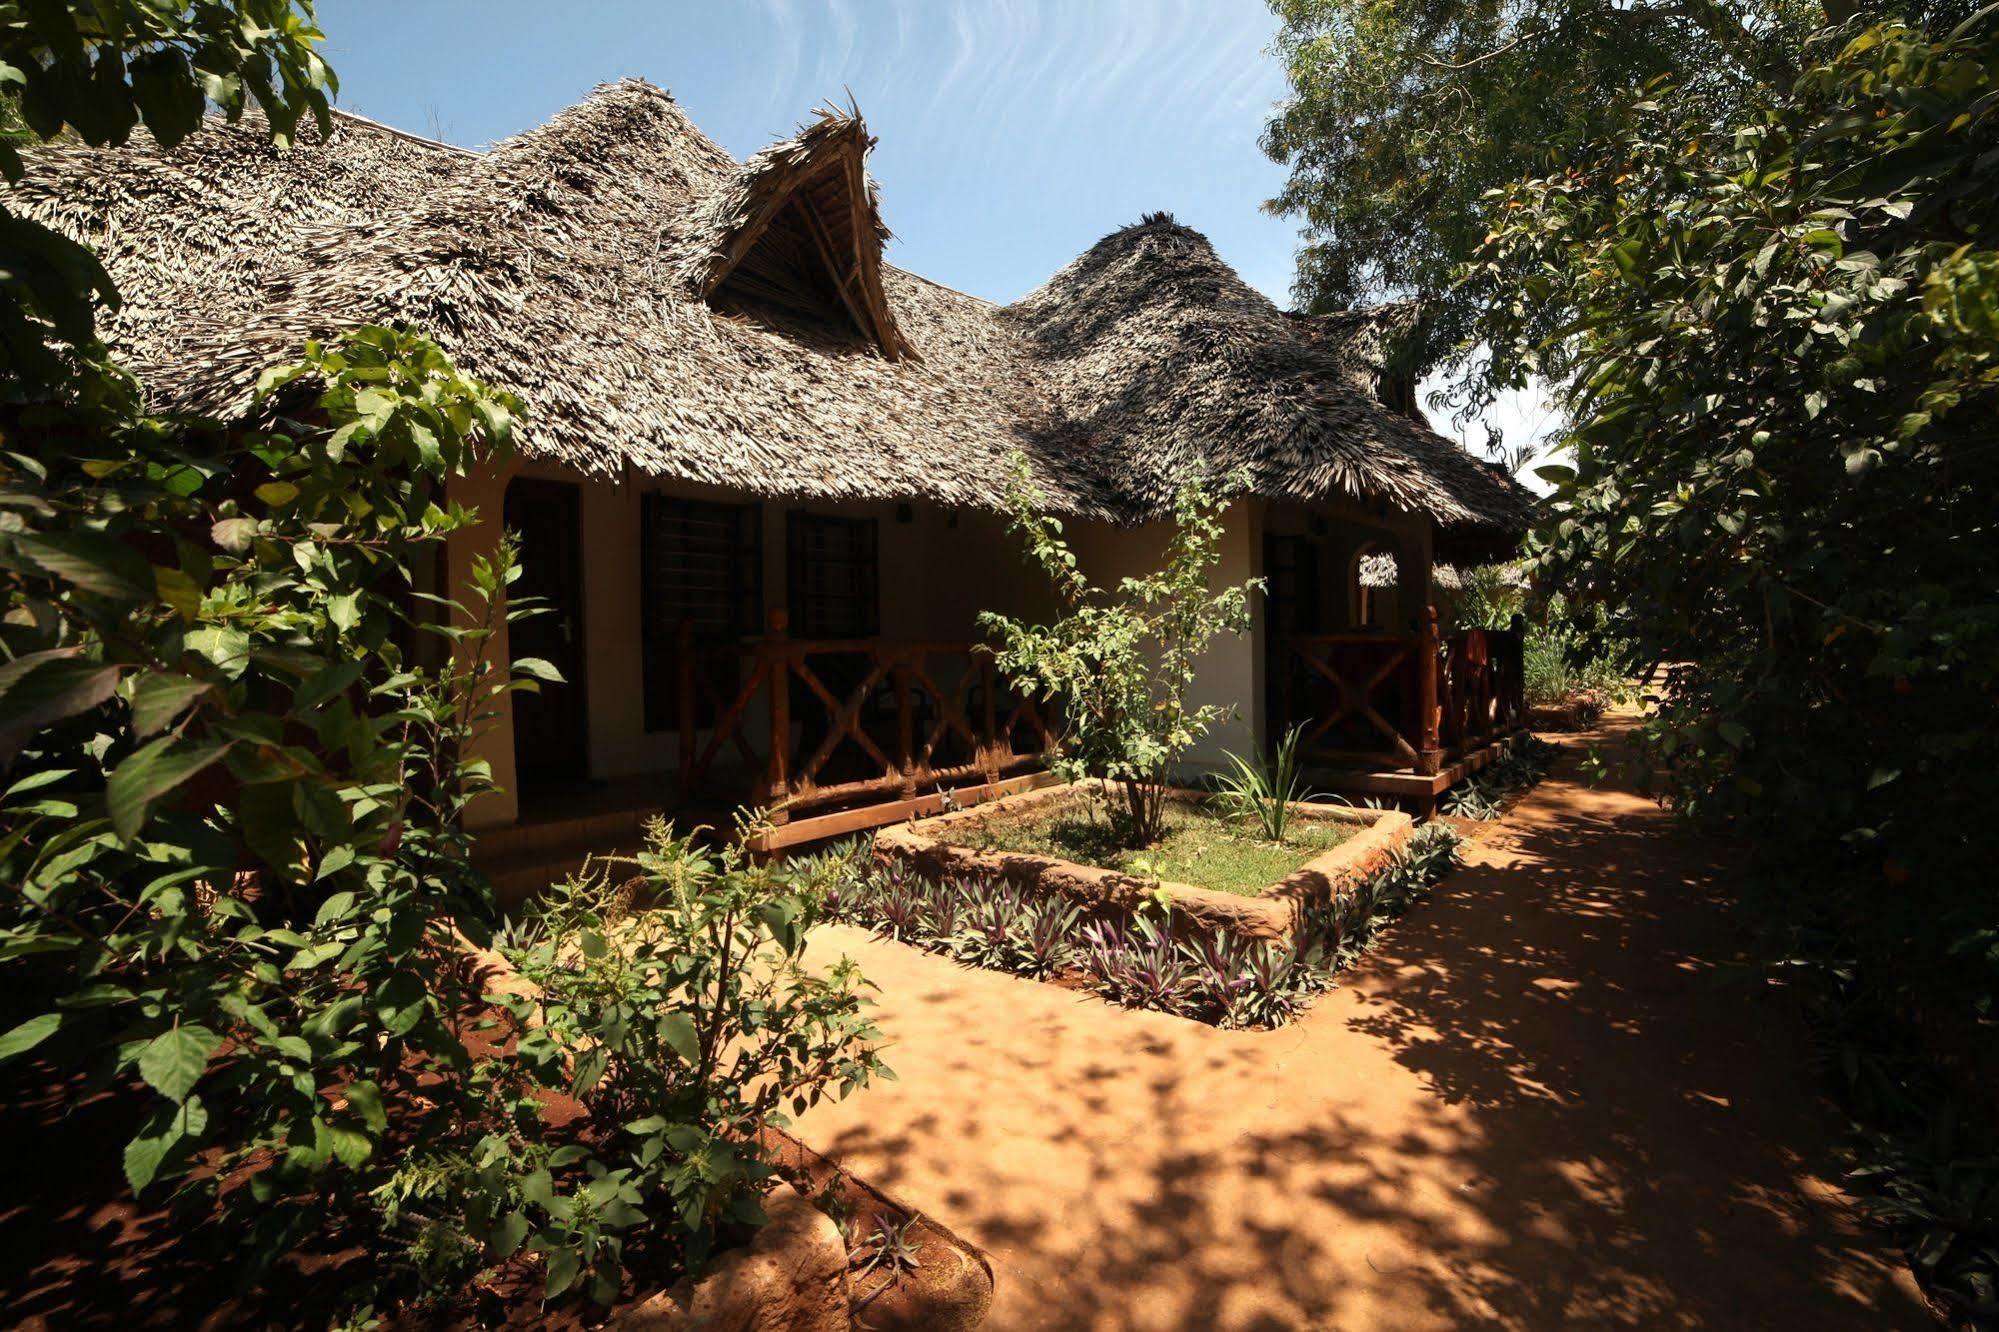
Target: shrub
x=1779 y=345
x=231 y=820
x=676 y=1007
x=1121 y=660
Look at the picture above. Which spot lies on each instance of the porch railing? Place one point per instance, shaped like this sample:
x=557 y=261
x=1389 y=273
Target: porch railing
x=820 y=723
x=1375 y=699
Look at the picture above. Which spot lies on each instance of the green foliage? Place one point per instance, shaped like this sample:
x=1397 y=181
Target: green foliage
x=1264 y=790
x=1120 y=661
x=231 y=820
x=97 y=71
x=676 y=1007
x=1779 y=359
x=1401 y=117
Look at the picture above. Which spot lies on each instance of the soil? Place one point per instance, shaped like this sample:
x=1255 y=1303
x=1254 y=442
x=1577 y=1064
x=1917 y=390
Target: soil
x=1537 y=1104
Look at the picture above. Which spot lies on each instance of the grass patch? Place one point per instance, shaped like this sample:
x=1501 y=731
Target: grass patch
x=1200 y=847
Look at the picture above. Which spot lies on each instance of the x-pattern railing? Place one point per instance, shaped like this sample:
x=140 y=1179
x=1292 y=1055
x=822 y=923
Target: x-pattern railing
x=931 y=723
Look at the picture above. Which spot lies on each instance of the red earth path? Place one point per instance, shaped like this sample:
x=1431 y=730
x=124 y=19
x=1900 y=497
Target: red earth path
x=1537 y=1104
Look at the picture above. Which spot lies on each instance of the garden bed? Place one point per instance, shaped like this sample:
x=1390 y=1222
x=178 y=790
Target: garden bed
x=1032 y=840
x=1106 y=933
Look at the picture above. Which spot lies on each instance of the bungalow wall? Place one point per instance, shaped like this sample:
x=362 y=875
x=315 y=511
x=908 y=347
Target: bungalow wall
x=938 y=569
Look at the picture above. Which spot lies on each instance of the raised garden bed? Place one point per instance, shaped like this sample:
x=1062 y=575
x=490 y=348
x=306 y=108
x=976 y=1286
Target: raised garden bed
x=1334 y=847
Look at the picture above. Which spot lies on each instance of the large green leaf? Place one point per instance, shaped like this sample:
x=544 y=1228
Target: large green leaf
x=149 y=774
x=28 y=1035
x=174 y=1060
x=93 y=562
x=157 y=699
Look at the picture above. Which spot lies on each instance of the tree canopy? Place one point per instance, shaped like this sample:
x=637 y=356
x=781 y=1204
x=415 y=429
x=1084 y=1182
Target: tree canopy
x=1402 y=117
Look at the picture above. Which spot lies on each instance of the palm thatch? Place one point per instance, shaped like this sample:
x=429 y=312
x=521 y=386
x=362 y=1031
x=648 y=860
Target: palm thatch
x=668 y=311
x=1165 y=360
x=798 y=216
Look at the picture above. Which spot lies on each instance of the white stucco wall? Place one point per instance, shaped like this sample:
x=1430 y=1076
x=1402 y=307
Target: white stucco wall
x=938 y=570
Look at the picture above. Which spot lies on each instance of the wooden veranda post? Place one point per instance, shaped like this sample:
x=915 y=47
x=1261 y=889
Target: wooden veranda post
x=1429 y=750
x=1516 y=684
x=776 y=653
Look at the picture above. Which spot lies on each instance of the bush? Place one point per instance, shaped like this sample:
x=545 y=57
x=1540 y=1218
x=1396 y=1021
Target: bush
x=1780 y=347
x=676 y=1007
x=1120 y=661
x=232 y=812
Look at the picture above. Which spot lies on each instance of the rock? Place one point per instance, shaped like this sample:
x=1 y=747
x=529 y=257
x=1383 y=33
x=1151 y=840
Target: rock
x=791 y=1278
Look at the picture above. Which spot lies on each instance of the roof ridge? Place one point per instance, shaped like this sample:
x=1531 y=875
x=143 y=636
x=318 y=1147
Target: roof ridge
x=391 y=130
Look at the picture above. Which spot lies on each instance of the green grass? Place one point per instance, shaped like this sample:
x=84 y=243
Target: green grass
x=1199 y=848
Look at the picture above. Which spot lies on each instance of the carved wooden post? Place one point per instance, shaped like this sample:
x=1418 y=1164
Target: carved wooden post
x=1429 y=753
x=905 y=726
x=684 y=659
x=774 y=655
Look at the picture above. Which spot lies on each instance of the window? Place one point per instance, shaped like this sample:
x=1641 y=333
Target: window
x=701 y=563
x=835 y=576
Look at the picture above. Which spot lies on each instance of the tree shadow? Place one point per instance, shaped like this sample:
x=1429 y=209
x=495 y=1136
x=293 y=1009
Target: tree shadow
x=1534 y=1104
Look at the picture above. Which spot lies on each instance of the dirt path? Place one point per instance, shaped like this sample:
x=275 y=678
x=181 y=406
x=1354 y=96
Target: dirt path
x=1533 y=1106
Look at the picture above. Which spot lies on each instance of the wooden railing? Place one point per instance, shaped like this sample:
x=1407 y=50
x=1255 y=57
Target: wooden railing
x=848 y=721
x=1374 y=699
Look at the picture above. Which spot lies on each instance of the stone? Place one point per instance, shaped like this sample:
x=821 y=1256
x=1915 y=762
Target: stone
x=791 y=1278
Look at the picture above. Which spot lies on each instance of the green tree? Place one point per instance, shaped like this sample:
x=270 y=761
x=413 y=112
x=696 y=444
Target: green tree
x=1777 y=343
x=1121 y=660
x=1402 y=117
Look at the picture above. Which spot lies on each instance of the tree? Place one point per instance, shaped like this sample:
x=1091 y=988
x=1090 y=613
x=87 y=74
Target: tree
x=1777 y=343
x=1402 y=117
x=98 y=71
x=1121 y=660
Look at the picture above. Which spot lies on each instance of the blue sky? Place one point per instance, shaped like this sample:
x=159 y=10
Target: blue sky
x=1013 y=133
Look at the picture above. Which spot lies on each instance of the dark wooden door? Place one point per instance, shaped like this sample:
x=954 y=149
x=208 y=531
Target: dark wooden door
x=551 y=727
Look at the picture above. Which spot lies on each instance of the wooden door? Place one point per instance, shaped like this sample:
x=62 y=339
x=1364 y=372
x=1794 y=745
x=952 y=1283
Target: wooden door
x=551 y=727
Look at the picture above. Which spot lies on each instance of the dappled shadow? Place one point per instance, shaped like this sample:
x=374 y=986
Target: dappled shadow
x=1534 y=1105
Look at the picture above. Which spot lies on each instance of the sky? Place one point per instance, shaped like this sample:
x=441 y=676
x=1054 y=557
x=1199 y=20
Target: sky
x=1013 y=134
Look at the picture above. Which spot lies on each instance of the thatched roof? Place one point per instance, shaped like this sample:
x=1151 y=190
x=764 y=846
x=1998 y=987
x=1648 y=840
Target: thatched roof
x=669 y=311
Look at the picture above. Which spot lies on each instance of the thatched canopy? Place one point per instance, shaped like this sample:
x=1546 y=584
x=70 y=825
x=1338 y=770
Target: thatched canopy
x=668 y=311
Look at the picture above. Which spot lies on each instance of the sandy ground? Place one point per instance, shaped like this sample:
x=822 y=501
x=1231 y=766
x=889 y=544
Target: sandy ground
x=1538 y=1104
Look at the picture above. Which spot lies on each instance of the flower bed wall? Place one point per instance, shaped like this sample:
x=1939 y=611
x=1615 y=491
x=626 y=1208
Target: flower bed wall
x=923 y=848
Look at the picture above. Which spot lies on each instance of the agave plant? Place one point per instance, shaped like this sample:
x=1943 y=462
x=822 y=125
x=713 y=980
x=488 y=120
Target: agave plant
x=1264 y=791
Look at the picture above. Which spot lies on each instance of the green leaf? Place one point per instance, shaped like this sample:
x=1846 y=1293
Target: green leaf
x=505 y=1238
x=157 y=699
x=93 y=562
x=563 y=1265
x=28 y=1035
x=234 y=534
x=150 y=773
x=344 y=611
x=677 y=1030
x=366 y=1099
x=174 y=1061
x=537 y=668
x=277 y=493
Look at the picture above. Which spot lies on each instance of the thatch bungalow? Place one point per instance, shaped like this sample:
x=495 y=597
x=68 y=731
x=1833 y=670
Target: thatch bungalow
x=763 y=472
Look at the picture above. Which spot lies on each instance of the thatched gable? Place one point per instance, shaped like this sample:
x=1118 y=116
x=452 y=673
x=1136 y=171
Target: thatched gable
x=601 y=266
x=799 y=227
